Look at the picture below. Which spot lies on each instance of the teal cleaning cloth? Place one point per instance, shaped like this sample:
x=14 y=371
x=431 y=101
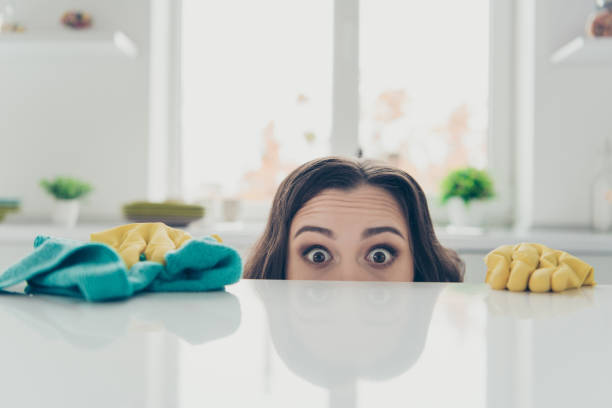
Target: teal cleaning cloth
x=95 y=271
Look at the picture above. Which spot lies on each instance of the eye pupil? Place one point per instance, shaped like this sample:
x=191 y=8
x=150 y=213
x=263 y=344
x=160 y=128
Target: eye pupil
x=318 y=257
x=379 y=257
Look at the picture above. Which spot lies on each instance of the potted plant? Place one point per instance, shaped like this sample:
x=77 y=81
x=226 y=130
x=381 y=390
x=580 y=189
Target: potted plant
x=66 y=192
x=464 y=191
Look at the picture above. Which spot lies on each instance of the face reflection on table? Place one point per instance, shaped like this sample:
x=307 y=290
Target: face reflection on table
x=334 y=335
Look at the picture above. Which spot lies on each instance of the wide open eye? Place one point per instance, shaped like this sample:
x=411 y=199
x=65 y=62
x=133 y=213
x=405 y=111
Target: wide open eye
x=317 y=255
x=380 y=256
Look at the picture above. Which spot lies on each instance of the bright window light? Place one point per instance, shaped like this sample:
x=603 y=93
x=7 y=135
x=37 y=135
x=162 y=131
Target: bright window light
x=257 y=89
x=424 y=85
x=256 y=79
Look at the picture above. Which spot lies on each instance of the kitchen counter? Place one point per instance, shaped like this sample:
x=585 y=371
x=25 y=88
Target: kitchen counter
x=243 y=235
x=311 y=344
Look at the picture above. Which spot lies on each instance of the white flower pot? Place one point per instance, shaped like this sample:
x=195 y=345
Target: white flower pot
x=231 y=209
x=65 y=213
x=465 y=215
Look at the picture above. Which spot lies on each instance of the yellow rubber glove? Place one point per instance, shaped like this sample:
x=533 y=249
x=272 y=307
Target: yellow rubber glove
x=150 y=241
x=517 y=267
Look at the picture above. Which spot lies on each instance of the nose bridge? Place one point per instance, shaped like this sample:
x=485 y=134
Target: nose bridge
x=349 y=269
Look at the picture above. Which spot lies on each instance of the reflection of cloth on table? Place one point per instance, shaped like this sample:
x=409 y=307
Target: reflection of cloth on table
x=537 y=267
x=194 y=318
x=96 y=272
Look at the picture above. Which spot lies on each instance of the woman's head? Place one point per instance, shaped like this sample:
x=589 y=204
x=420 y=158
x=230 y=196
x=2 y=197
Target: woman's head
x=340 y=219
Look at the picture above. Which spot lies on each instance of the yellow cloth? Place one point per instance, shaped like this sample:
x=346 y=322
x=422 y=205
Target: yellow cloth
x=517 y=267
x=151 y=239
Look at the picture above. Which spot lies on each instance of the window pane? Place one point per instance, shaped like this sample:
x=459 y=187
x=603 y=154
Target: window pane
x=424 y=85
x=256 y=79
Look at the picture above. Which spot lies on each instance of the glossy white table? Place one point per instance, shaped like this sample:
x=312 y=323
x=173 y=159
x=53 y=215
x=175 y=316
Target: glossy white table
x=311 y=344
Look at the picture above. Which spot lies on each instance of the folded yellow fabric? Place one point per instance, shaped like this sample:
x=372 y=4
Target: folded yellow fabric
x=146 y=241
x=537 y=267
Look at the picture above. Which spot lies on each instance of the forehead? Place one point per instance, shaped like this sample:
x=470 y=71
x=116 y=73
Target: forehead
x=362 y=205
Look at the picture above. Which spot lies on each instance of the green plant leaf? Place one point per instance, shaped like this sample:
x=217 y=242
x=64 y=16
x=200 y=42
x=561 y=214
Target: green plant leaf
x=467 y=183
x=66 y=188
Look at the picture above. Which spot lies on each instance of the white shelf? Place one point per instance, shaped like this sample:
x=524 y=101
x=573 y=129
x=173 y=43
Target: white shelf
x=244 y=235
x=65 y=42
x=584 y=50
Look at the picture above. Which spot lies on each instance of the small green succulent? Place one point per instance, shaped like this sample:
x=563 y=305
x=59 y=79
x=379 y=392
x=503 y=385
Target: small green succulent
x=66 y=188
x=468 y=184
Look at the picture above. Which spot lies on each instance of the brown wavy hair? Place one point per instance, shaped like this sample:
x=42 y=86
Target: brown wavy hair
x=432 y=261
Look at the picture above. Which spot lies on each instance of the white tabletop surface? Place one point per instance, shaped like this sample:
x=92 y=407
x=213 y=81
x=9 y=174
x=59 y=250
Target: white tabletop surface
x=311 y=344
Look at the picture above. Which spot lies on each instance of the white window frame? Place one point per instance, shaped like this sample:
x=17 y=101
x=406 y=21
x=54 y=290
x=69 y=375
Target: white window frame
x=165 y=107
x=165 y=172
x=500 y=148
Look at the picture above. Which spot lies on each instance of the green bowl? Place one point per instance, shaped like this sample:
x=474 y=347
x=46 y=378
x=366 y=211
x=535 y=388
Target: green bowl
x=4 y=211
x=170 y=213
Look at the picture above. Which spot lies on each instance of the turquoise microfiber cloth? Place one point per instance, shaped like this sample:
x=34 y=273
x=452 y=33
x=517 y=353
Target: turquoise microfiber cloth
x=96 y=272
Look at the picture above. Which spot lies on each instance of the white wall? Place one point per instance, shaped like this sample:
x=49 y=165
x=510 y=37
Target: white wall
x=83 y=115
x=570 y=119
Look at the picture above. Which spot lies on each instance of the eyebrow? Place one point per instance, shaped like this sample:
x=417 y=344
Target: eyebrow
x=320 y=230
x=365 y=234
x=379 y=230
